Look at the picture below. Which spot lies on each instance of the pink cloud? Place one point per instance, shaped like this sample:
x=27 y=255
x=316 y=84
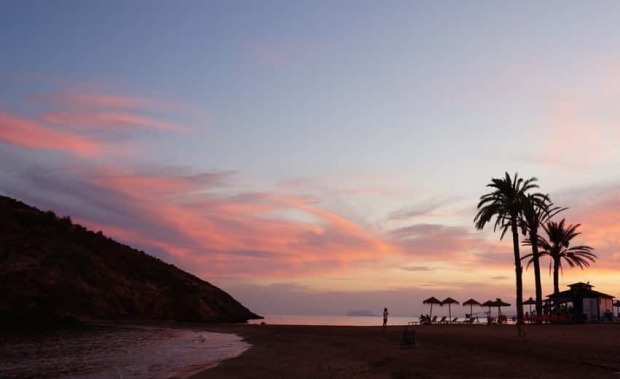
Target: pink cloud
x=163 y=183
x=107 y=111
x=30 y=134
x=336 y=220
x=567 y=126
x=197 y=224
x=88 y=101
x=95 y=100
x=584 y=117
x=87 y=124
x=437 y=243
x=599 y=216
x=201 y=224
x=111 y=120
x=236 y=230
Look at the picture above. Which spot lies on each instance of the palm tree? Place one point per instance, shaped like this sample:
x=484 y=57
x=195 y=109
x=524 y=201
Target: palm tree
x=559 y=249
x=505 y=204
x=537 y=209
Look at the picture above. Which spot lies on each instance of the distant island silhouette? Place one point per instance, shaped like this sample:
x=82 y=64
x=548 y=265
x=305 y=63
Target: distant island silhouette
x=52 y=270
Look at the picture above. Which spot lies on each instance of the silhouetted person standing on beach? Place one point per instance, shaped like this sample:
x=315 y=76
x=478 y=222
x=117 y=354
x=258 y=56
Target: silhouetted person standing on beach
x=385 y=316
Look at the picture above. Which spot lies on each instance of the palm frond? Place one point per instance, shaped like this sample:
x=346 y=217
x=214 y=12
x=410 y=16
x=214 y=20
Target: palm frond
x=557 y=246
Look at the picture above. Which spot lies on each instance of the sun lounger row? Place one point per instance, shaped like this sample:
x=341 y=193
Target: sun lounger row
x=444 y=321
x=501 y=320
x=547 y=319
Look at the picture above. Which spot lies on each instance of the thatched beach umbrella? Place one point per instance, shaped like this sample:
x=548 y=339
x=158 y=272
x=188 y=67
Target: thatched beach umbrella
x=499 y=304
x=449 y=301
x=431 y=300
x=471 y=303
x=488 y=303
x=529 y=302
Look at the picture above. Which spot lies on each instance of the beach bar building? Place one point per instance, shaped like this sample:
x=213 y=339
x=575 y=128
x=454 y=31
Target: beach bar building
x=583 y=303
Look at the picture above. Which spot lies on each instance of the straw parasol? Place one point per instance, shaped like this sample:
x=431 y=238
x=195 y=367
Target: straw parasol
x=449 y=301
x=431 y=300
x=499 y=304
x=529 y=302
x=471 y=303
x=488 y=303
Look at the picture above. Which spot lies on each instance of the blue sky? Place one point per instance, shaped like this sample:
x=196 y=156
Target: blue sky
x=328 y=152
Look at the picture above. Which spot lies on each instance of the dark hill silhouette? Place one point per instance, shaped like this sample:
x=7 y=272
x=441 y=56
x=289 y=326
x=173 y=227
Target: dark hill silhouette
x=54 y=270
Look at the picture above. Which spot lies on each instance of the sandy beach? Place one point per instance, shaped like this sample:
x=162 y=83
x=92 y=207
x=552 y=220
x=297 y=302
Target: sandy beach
x=441 y=351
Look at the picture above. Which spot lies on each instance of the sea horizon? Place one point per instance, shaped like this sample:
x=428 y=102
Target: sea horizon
x=333 y=320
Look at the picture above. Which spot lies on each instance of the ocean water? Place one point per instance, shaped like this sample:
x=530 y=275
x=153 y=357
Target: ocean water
x=107 y=352
x=333 y=320
x=353 y=320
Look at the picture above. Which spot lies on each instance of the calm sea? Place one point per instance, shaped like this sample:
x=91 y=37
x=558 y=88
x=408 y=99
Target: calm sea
x=102 y=352
x=136 y=352
x=333 y=320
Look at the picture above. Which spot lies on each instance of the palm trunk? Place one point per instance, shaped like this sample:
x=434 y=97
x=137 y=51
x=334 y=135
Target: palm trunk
x=556 y=278
x=518 y=269
x=536 y=260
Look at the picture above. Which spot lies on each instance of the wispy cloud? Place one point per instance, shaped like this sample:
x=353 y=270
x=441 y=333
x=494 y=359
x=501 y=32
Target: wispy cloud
x=88 y=125
x=218 y=225
x=570 y=127
x=93 y=100
x=436 y=241
x=414 y=211
x=22 y=132
x=424 y=207
x=596 y=208
x=106 y=120
x=500 y=277
x=194 y=221
x=418 y=268
x=579 y=128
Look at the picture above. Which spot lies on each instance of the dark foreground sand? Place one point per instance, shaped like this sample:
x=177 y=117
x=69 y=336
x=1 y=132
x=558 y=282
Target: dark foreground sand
x=446 y=351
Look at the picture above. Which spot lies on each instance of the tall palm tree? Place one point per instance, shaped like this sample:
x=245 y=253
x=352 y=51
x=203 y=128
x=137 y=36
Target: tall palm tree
x=537 y=209
x=557 y=246
x=505 y=204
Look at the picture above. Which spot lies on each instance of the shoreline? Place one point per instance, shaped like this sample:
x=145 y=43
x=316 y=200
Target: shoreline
x=441 y=351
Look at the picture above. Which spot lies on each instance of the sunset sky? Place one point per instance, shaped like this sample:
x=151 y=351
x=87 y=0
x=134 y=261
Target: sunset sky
x=315 y=157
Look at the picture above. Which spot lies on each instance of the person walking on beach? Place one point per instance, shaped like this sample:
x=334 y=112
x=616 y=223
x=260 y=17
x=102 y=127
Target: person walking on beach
x=385 y=316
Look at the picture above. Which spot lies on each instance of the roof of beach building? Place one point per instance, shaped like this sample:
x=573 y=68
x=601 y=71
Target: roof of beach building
x=579 y=290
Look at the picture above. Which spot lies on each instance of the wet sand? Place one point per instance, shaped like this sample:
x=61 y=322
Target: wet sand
x=441 y=351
